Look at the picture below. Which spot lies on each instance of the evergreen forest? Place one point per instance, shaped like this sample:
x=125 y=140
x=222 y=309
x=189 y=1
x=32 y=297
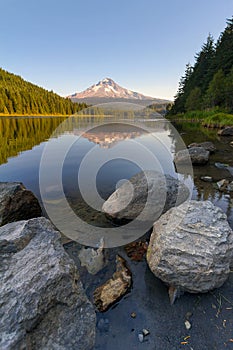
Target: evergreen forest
x=207 y=85
x=19 y=97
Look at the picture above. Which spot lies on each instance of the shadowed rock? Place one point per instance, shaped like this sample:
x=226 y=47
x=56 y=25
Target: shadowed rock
x=208 y=146
x=197 y=155
x=17 y=203
x=228 y=131
x=191 y=248
x=43 y=304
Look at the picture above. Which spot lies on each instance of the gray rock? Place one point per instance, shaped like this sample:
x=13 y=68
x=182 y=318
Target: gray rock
x=147 y=190
x=93 y=259
x=228 y=131
x=197 y=155
x=208 y=146
x=43 y=304
x=17 y=203
x=191 y=247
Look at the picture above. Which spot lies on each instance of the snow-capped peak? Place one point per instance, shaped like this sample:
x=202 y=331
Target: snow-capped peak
x=107 y=88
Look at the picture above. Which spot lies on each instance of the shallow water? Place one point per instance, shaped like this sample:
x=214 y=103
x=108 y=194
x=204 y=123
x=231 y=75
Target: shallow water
x=23 y=141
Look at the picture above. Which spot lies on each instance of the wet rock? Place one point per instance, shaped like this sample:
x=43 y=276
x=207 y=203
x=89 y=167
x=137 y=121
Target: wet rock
x=191 y=247
x=43 y=304
x=228 y=131
x=222 y=185
x=188 y=315
x=17 y=203
x=208 y=146
x=140 y=337
x=224 y=166
x=207 y=178
x=230 y=187
x=147 y=193
x=197 y=155
x=221 y=165
x=112 y=290
x=136 y=250
x=93 y=259
x=188 y=325
x=145 y=332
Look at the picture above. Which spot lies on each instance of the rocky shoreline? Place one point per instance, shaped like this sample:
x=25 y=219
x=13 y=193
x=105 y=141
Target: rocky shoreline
x=54 y=300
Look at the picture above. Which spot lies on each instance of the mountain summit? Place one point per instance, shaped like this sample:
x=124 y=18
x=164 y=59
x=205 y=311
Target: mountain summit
x=107 y=88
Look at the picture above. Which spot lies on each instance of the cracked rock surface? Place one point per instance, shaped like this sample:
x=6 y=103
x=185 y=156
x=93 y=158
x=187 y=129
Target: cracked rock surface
x=43 y=304
x=191 y=247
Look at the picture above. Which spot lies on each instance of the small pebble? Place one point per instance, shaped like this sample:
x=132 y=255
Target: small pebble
x=145 y=332
x=207 y=178
x=187 y=325
x=133 y=314
x=188 y=315
x=140 y=337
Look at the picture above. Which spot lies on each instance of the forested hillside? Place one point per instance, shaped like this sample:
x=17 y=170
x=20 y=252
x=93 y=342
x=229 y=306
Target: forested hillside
x=208 y=84
x=18 y=96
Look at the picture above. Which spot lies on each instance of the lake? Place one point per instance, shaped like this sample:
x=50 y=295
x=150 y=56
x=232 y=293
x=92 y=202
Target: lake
x=110 y=150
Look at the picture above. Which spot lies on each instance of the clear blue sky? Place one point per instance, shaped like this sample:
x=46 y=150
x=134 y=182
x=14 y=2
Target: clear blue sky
x=67 y=45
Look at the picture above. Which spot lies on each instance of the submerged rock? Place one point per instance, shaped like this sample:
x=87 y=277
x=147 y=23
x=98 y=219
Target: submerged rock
x=17 y=203
x=197 y=155
x=93 y=259
x=208 y=146
x=148 y=193
x=43 y=304
x=222 y=185
x=224 y=166
x=136 y=250
x=112 y=290
x=191 y=248
x=228 y=131
x=207 y=178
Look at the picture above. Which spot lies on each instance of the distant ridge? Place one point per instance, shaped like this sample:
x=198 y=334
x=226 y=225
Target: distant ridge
x=107 y=90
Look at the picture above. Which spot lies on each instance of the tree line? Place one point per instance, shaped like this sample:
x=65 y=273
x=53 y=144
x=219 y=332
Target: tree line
x=18 y=96
x=208 y=84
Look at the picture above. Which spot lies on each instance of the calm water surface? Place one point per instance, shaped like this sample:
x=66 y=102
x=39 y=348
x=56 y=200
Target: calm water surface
x=23 y=141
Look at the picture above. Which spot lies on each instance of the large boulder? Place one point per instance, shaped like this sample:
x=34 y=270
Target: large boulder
x=197 y=155
x=191 y=247
x=148 y=191
x=43 y=304
x=227 y=131
x=17 y=203
x=207 y=145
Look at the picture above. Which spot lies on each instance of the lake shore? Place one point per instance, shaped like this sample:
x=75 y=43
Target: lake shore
x=210 y=119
